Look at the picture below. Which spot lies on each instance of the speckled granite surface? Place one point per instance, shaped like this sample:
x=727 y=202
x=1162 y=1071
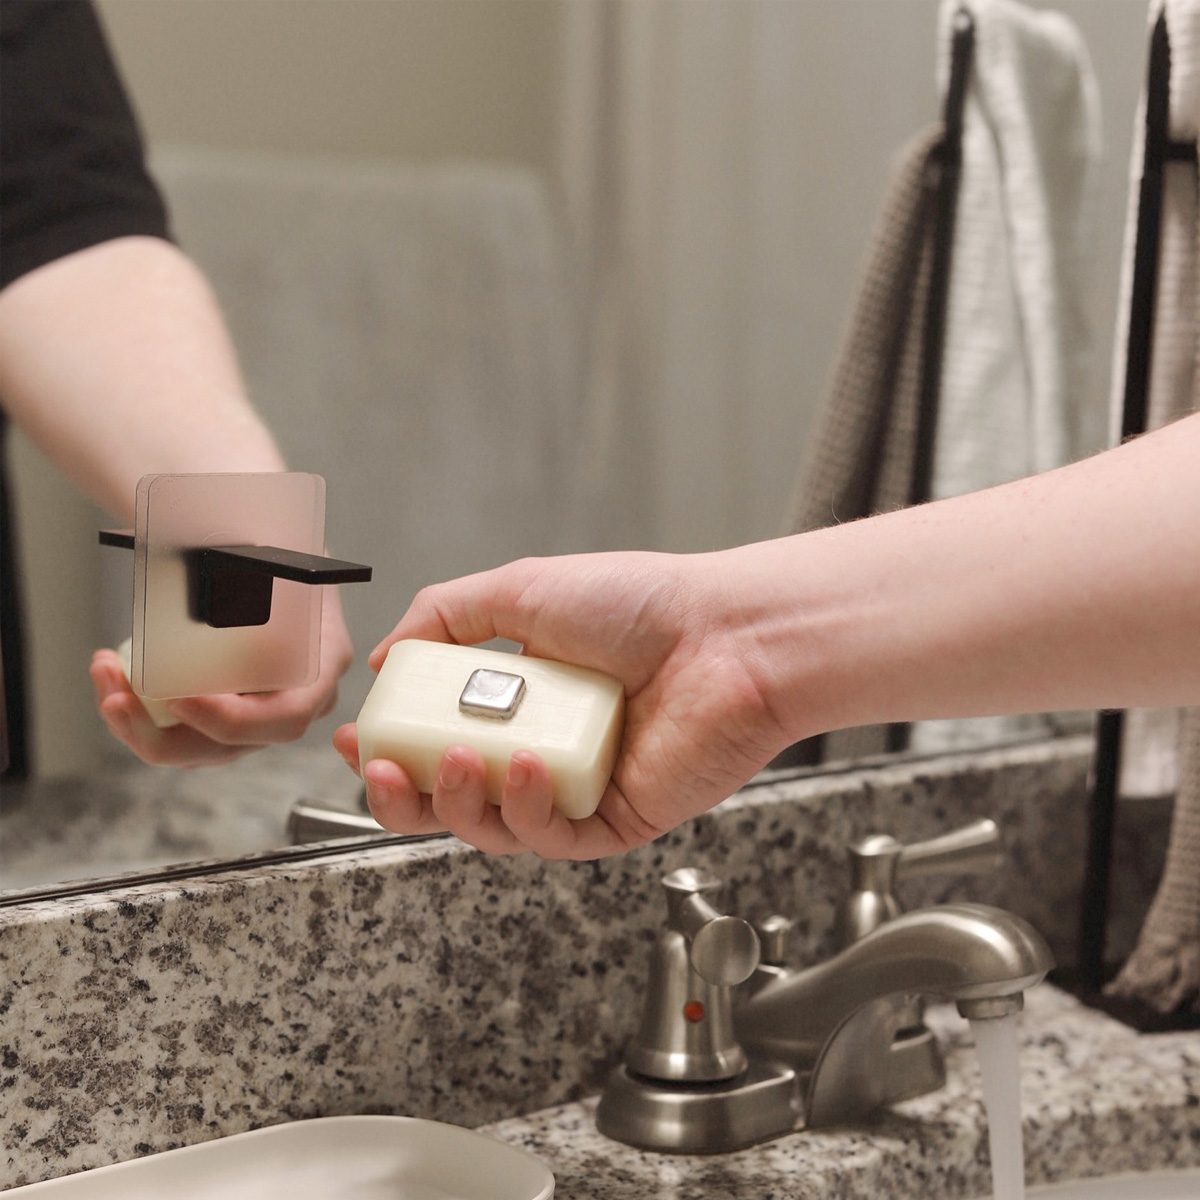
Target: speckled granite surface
x=432 y=981
x=1097 y=1099
x=137 y=817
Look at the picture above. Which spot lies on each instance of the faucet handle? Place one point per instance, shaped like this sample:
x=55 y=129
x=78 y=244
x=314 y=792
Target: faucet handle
x=686 y=1032
x=773 y=933
x=971 y=850
x=723 y=950
x=879 y=861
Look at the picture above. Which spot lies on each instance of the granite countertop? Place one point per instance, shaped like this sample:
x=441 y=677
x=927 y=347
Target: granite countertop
x=432 y=981
x=1098 y=1099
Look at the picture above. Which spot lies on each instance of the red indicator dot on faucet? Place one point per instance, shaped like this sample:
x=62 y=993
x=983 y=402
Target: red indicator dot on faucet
x=694 y=1011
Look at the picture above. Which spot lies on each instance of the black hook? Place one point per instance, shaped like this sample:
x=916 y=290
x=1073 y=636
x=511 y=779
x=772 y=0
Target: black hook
x=231 y=586
x=1159 y=149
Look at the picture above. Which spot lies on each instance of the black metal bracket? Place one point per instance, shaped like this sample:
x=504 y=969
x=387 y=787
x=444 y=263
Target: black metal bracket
x=942 y=198
x=232 y=586
x=945 y=208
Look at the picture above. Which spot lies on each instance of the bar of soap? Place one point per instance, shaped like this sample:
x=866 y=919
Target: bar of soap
x=430 y=695
x=157 y=709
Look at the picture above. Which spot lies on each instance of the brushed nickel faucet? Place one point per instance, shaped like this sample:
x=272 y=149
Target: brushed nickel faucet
x=836 y=1023
x=877 y=863
x=735 y=1047
x=309 y=822
x=686 y=1085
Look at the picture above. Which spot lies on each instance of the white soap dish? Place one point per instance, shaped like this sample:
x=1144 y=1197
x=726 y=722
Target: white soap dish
x=329 y=1158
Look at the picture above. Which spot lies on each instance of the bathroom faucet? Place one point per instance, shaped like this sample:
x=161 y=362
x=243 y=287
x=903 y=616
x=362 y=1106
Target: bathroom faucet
x=835 y=1023
x=808 y=1047
x=309 y=822
x=686 y=1085
x=877 y=864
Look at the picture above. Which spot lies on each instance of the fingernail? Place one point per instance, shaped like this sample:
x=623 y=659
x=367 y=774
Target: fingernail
x=519 y=773
x=453 y=774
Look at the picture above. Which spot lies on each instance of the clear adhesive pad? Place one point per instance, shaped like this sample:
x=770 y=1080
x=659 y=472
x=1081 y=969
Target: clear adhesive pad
x=174 y=653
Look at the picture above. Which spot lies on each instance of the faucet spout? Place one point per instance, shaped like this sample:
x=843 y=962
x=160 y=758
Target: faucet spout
x=963 y=952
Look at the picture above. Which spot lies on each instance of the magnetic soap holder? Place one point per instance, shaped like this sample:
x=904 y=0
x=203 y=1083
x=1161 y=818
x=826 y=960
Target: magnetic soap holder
x=222 y=582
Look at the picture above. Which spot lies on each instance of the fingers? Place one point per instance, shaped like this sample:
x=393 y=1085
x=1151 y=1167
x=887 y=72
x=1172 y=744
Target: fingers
x=220 y=728
x=250 y=720
x=177 y=746
x=345 y=742
x=395 y=802
x=528 y=812
x=391 y=795
x=213 y=729
x=256 y=718
x=525 y=820
x=123 y=711
x=107 y=675
x=460 y=803
x=467 y=611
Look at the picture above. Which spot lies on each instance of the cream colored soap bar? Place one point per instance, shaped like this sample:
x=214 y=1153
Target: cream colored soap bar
x=430 y=695
x=157 y=710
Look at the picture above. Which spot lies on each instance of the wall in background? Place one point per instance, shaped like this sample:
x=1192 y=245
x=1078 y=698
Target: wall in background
x=401 y=79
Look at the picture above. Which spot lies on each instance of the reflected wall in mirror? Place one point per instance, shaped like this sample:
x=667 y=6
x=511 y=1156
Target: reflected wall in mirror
x=528 y=278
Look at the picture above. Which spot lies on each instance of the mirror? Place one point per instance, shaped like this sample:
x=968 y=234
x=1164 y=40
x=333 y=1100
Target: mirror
x=509 y=296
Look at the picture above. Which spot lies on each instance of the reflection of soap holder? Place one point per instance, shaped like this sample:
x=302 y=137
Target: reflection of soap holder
x=229 y=587
x=223 y=573
x=156 y=710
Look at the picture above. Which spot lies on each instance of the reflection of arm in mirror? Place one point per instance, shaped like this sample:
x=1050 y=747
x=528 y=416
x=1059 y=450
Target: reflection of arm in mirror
x=114 y=357
x=1077 y=588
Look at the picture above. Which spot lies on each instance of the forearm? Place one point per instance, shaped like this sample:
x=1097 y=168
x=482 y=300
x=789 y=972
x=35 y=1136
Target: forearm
x=116 y=362
x=1079 y=588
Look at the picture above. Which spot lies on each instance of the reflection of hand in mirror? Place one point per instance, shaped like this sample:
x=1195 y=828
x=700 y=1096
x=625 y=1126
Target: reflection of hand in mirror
x=217 y=729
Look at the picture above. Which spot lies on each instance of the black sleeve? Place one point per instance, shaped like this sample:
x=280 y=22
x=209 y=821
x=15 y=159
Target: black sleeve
x=72 y=164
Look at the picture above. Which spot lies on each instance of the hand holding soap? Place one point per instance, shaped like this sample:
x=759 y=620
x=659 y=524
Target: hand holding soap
x=430 y=695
